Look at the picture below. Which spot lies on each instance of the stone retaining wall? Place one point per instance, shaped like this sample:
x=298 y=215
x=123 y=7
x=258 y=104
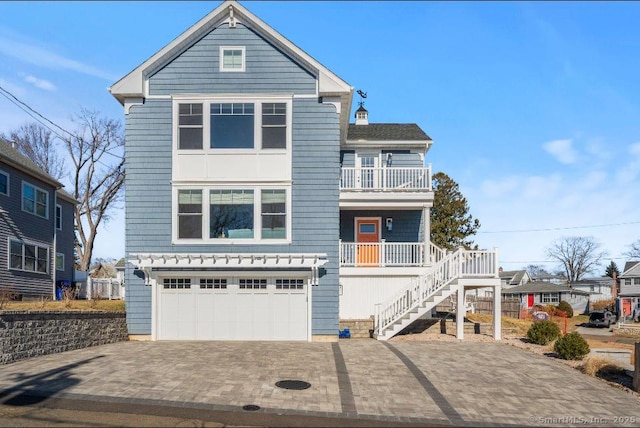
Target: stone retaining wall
x=627 y=330
x=27 y=334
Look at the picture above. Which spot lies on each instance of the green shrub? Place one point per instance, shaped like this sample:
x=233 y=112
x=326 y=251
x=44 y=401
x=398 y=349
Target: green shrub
x=565 y=307
x=571 y=346
x=543 y=332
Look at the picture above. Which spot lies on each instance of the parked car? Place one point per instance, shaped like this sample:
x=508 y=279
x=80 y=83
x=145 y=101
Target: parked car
x=601 y=319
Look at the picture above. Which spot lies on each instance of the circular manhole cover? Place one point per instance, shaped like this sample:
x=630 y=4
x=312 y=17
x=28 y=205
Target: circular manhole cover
x=251 y=407
x=293 y=384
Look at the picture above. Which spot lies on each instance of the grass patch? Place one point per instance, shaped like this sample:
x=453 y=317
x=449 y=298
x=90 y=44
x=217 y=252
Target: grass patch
x=514 y=325
x=73 y=305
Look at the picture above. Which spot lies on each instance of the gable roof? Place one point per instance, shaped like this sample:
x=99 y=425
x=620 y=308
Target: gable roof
x=542 y=287
x=514 y=276
x=11 y=156
x=629 y=267
x=132 y=85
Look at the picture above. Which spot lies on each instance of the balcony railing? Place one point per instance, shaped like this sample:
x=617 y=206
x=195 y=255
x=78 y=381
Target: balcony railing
x=387 y=254
x=386 y=179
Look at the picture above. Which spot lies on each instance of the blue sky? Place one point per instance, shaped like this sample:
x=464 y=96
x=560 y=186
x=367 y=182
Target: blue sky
x=533 y=107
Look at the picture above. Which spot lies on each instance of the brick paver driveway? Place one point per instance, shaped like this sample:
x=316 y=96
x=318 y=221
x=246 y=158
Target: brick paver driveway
x=466 y=383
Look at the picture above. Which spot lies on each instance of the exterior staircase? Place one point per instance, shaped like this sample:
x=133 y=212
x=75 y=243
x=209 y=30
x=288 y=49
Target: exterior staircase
x=441 y=281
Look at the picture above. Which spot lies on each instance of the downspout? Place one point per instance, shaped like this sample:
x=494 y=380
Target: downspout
x=52 y=266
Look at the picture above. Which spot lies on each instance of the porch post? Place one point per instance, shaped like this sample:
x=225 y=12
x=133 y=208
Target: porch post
x=497 y=312
x=460 y=313
x=426 y=236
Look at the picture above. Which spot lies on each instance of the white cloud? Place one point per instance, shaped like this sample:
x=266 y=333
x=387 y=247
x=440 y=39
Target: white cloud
x=31 y=53
x=562 y=150
x=39 y=83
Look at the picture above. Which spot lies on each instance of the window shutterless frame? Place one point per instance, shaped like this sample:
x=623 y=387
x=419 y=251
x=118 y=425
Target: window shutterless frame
x=35 y=200
x=4 y=183
x=232 y=59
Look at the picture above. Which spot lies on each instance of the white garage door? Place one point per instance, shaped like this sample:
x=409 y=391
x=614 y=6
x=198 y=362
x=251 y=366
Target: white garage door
x=232 y=308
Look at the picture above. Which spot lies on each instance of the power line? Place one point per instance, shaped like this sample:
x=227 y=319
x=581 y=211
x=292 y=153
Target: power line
x=18 y=103
x=560 y=228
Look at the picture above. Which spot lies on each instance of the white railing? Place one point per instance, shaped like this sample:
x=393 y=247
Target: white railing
x=389 y=179
x=381 y=254
x=459 y=264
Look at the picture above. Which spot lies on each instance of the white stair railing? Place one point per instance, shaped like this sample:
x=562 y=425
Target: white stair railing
x=459 y=264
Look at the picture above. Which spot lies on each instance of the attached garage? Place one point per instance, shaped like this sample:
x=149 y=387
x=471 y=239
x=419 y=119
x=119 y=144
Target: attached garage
x=232 y=308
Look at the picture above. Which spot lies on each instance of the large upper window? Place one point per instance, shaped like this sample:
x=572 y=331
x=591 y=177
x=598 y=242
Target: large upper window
x=4 y=183
x=232 y=126
x=211 y=126
x=190 y=214
x=28 y=257
x=232 y=58
x=231 y=214
x=190 y=126
x=35 y=200
x=249 y=214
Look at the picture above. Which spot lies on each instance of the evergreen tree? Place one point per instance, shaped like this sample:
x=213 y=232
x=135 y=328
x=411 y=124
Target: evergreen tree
x=451 y=224
x=611 y=269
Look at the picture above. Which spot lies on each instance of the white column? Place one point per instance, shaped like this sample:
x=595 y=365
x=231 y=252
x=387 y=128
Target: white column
x=460 y=313
x=497 y=312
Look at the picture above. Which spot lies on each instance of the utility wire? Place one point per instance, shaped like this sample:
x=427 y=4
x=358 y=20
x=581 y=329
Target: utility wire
x=560 y=228
x=17 y=102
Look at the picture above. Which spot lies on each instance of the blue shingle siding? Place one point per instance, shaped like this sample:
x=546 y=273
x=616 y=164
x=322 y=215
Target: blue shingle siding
x=23 y=226
x=314 y=211
x=65 y=240
x=197 y=70
x=406 y=224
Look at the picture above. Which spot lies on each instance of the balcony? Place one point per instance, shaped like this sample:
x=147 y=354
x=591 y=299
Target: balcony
x=386 y=179
x=388 y=254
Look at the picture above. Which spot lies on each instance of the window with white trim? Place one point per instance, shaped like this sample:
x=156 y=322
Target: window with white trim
x=244 y=214
x=35 y=200
x=28 y=257
x=190 y=126
x=59 y=261
x=232 y=58
x=189 y=214
x=215 y=125
x=59 y=217
x=627 y=281
x=636 y=281
x=550 y=298
x=231 y=214
x=177 y=283
x=4 y=183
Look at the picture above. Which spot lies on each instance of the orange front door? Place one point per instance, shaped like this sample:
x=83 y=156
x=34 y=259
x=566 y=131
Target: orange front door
x=368 y=239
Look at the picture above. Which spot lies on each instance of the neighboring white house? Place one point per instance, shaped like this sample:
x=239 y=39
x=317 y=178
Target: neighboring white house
x=599 y=288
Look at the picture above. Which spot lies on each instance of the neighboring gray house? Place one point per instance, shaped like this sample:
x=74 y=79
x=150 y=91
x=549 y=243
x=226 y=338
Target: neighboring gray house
x=546 y=293
x=36 y=227
x=513 y=278
x=630 y=289
x=255 y=211
x=599 y=288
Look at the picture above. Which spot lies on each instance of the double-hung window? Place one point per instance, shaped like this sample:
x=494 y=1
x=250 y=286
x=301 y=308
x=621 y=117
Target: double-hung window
x=274 y=214
x=190 y=214
x=274 y=125
x=59 y=261
x=35 y=200
x=59 y=217
x=4 y=183
x=28 y=257
x=550 y=298
x=190 y=126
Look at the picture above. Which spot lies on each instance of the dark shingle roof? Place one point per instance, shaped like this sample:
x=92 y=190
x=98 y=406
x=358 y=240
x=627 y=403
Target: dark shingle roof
x=541 y=287
x=629 y=265
x=14 y=158
x=387 y=132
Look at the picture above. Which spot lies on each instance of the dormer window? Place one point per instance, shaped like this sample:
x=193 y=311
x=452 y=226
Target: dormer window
x=232 y=58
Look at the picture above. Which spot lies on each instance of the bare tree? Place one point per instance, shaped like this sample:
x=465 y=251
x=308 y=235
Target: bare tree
x=577 y=254
x=97 y=176
x=634 y=250
x=37 y=143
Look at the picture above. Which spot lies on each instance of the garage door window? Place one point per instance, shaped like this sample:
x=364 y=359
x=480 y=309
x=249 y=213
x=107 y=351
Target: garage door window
x=289 y=284
x=213 y=284
x=249 y=284
x=177 y=283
